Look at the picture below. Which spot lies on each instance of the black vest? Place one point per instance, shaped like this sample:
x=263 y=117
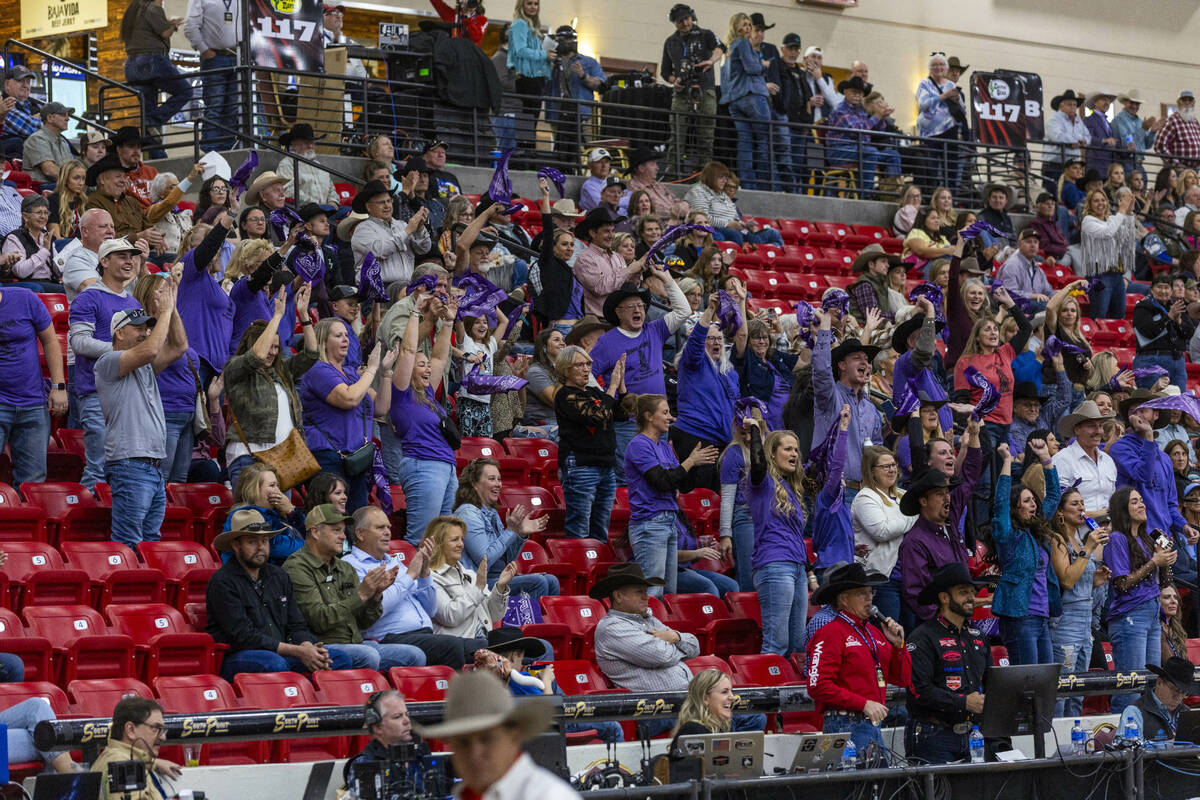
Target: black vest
x=1154 y=725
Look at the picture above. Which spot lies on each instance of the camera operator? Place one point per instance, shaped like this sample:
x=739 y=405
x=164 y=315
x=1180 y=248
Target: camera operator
x=687 y=64
x=575 y=77
x=386 y=717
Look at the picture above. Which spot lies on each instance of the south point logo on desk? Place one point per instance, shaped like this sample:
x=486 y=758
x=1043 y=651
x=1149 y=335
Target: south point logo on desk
x=203 y=726
x=659 y=706
x=94 y=731
x=579 y=710
x=295 y=722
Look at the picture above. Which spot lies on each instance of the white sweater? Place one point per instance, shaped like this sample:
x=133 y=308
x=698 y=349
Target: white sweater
x=879 y=526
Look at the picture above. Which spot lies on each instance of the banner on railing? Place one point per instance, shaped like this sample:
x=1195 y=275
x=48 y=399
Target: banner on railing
x=285 y=35
x=998 y=109
x=54 y=17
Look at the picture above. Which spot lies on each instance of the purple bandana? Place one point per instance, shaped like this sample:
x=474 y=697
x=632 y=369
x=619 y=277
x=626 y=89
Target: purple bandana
x=671 y=234
x=475 y=382
x=991 y=397
x=1019 y=300
x=1185 y=402
x=501 y=188
x=1055 y=345
x=743 y=408
x=979 y=226
x=282 y=219
x=243 y=173
x=804 y=318
x=514 y=318
x=370 y=281
x=836 y=298
x=481 y=296
x=729 y=316
x=383 y=489
x=555 y=177
x=427 y=282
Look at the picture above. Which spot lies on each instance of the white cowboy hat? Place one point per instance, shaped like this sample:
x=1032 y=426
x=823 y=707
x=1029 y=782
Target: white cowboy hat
x=264 y=180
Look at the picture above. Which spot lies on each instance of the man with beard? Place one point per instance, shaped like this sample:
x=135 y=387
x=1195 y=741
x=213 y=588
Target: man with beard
x=948 y=661
x=934 y=540
x=1180 y=136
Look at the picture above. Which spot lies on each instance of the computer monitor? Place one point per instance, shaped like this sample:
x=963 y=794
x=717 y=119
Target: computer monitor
x=1019 y=701
x=68 y=786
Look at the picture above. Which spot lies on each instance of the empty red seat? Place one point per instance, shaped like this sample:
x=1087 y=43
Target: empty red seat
x=209 y=504
x=18 y=692
x=762 y=669
x=422 y=684
x=591 y=558
x=288 y=690
x=540 y=503
x=349 y=687
x=72 y=513
x=117 y=576
x=579 y=614
x=98 y=697
x=37 y=576
x=540 y=456
x=582 y=677
x=701 y=663
x=766 y=283
x=709 y=619
x=205 y=694
x=84 y=647
x=20 y=521
x=795 y=231
x=533 y=558
x=166 y=643
x=60 y=313
x=34 y=651
x=744 y=605
x=863 y=235
x=512 y=469
x=703 y=508
x=827 y=234
x=187 y=567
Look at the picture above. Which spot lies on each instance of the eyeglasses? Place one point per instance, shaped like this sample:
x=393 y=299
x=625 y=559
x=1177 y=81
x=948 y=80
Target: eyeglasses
x=892 y=465
x=632 y=307
x=221 y=188
x=159 y=729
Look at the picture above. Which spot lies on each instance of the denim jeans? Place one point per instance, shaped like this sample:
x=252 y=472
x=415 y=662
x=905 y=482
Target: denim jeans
x=782 y=588
x=765 y=236
x=180 y=441
x=703 y=581
x=391 y=450
x=26 y=429
x=1027 y=639
x=537 y=585
x=934 y=744
x=266 y=661
x=992 y=435
x=751 y=119
x=743 y=546
x=655 y=543
x=235 y=468
x=1176 y=369
x=1136 y=638
x=429 y=488
x=504 y=126
x=91 y=420
x=356 y=487
x=12 y=668
x=378 y=656
x=1071 y=638
x=609 y=732
x=625 y=431
x=21 y=719
x=729 y=235
x=887 y=599
x=862 y=733
x=588 y=493
x=1107 y=300
x=139 y=500
x=781 y=153
x=220 y=93
x=149 y=73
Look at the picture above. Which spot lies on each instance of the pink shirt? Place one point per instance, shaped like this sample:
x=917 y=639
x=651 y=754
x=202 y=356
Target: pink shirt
x=600 y=272
x=997 y=368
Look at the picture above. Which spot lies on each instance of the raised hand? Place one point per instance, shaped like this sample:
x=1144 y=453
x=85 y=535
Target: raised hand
x=1040 y=449
x=373 y=358
x=280 y=302
x=506 y=576
x=844 y=417
x=302 y=297
x=1004 y=452
x=389 y=358
x=481 y=574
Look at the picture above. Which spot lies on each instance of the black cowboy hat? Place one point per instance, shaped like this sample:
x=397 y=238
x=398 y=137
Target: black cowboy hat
x=1028 y=390
x=854 y=82
x=849 y=347
x=841 y=579
x=310 y=210
x=372 y=189
x=944 y=579
x=108 y=163
x=926 y=482
x=1069 y=94
x=626 y=291
x=128 y=134
x=1178 y=671
x=640 y=156
x=300 y=132
x=908 y=328
x=757 y=20
x=511 y=638
x=1092 y=176
x=1136 y=398
x=618 y=577
x=601 y=215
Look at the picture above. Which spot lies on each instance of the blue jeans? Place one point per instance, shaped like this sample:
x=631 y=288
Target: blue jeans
x=26 y=429
x=1107 y=301
x=934 y=744
x=781 y=153
x=588 y=493
x=1071 y=638
x=220 y=93
x=1136 y=638
x=266 y=661
x=703 y=581
x=765 y=236
x=751 y=118
x=782 y=588
x=378 y=656
x=429 y=488
x=655 y=543
x=149 y=73
x=139 y=500
x=356 y=487
x=743 y=546
x=729 y=235
x=536 y=585
x=625 y=431
x=862 y=733
x=872 y=159
x=609 y=732
x=21 y=719
x=391 y=450
x=180 y=441
x=1027 y=639
x=1176 y=369
x=12 y=668
x=504 y=126
x=235 y=468
x=91 y=420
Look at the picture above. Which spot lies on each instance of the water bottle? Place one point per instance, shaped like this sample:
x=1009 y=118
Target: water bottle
x=850 y=755
x=1092 y=525
x=1078 y=739
x=1129 y=141
x=976 y=743
x=1129 y=731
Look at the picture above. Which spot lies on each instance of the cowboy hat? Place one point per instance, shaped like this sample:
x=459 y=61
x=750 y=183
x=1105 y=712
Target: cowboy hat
x=1092 y=176
x=511 y=638
x=851 y=346
x=310 y=210
x=246 y=522
x=618 y=577
x=838 y=580
x=478 y=701
x=345 y=228
x=640 y=156
x=924 y=398
x=1092 y=96
x=997 y=186
x=1069 y=94
x=566 y=208
x=869 y=254
x=601 y=215
x=906 y=329
x=944 y=579
x=264 y=179
x=1028 y=390
x=1178 y=671
x=926 y=482
x=126 y=135
x=623 y=293
x=365 y=194
x=1136 y=398
x=757 y=20
x=300 y=132
x=970 y=265
x=1086 y=412
x=110 y=163
x=954 y=63
x=854 y=82
x=1132 y=96
x=586 y=324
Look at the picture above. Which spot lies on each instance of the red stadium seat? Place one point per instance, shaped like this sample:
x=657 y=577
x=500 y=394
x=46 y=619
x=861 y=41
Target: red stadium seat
x=20 y=521
x=288 y=690
x=618 y=519
x=540 y=502
x=34 y=651
x=345 y=193
x=18 y=692
x=166 y=643
x=863 y=235
x=422 y=684
x=579 y=614
x=209 y=504
x=349 y=687
x=576 y=677
x=397 y=546
x=744 y=605
x=828 y=234
x=71 y=439
x=701 y=663
x=96 y=698
x=999 y=655
x=204 y=694
x=38 y=576
x=765 y=283
x=117 y=576
x=705 y=616
x=513 y=471
x=590 y=558
x=60 y=313
x=186 y=565
x=762 y=669
x=83 y=645
x=533 y=558
x=197 y=616
x=703 y=508
x=795 y=231
x=541 y=455
x=72 y=513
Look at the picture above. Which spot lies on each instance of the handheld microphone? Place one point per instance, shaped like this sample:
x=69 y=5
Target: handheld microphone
x=876 y=616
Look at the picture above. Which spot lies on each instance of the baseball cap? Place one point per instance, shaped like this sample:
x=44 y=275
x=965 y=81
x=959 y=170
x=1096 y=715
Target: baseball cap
x=598 y=154
x=1043 y=197
x=813 y=49
x=791 y=40
x=1188 y=93
x=121 y=245
x=129 y=316
x=17 y=73
x=433 y=145
x=55 y=108
x=324 y=514
x=343 y=293
x=1028 y=233
x=613 y=180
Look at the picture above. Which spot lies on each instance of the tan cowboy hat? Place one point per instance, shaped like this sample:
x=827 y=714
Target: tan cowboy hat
x=869 y=254
x=583 y=326
x=477 y=701
x=246 y=522
x=1091 y=98
x=345 y=228
x=1086 y=412
x=1132 y=96
x=261 y=182
x=566 y=208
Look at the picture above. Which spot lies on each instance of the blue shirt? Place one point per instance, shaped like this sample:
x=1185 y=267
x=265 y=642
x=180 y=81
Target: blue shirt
x=407 y=603
x=829 y=395
x=833 y=530
x=706 y=405
x=576 y=88
x=1142 y=465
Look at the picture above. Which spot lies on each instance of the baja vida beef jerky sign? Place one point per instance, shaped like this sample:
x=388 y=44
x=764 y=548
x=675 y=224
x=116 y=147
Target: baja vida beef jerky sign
x=53 y=17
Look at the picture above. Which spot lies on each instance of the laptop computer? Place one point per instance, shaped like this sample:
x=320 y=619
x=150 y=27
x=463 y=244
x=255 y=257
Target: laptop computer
x=1187 y=730
x=726 y=755
x=816 y=752
x=68 y=786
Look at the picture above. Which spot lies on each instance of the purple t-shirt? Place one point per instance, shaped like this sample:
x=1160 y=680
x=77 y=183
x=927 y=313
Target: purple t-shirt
x=248 y=306
x=95 y=305
x=644 y=362
x=1116 y=558
x=776 y=537
x=733 y=470
x=419 y=427
x=327 y=427
x=177 y=384
x=22 y=317
x=644 y=454
x=1039 y=596
x=779 y=397
x=206 y=312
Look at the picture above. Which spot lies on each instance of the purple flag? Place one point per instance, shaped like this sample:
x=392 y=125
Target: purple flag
x=743 y=409
x=729 y=316
x=514 y=318
x=1055 y=345
x=1019 y=300
x=979 y=226
x=481 y=295
x=243 y=173
x=1148 y=372
x=383 y=489
x=1185 y=402
x=1094 y=285
x=428 y=282
x=991 y=397
x=671 y=234
x=836 y=298
x=308 y=264
x=475 y=382
x=282 y=220
x=909 y=401
x=501 y=188
x=804 y=318
x=370 y=280
x=818 y=457
x=555 y=177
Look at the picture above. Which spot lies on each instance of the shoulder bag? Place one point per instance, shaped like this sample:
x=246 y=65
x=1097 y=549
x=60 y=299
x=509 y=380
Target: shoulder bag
x=201 y=423
x=291 y=459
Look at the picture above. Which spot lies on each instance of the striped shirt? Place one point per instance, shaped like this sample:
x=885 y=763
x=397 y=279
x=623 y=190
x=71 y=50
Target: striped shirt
x=633 y=659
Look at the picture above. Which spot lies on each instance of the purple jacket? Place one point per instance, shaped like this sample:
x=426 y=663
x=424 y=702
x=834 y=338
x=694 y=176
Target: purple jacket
x=1097 y=155
x=1145 y=467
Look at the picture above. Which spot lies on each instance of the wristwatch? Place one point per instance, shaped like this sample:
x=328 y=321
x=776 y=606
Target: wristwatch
x=59 y=386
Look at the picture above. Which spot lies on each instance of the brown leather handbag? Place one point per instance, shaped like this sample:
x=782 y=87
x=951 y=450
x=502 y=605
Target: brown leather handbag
x=291 y=459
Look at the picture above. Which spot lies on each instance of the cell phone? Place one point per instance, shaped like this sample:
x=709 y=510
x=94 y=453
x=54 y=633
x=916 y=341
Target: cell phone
x=1163 y=542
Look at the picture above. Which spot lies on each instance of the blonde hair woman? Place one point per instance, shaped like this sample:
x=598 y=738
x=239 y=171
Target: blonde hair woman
x=879 y=526
x=1104 y=252
x=68 y=199
x=708 y=707
x=257 y=488
x=465 y=606
x=248 y=255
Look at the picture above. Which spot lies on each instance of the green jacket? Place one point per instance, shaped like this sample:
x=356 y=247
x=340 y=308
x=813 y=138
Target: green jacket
x=250 y=387
x=328 y=598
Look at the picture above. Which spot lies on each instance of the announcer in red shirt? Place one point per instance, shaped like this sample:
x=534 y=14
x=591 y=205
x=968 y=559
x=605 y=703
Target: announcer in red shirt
x=851 y=661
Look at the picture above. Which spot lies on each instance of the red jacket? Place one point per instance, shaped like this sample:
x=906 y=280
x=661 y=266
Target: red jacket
x=841 y=669
x=474 y=24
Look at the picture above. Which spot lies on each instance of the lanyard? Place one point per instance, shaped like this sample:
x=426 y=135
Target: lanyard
x=864 y=634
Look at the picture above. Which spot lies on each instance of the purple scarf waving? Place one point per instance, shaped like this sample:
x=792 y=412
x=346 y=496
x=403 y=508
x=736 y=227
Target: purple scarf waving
x=991 y=396
x=836 y=298
x=514 y=318
x=501 y=188
x=804 y=318
x=427 y=282
x=475 y=382
x=282 y=219
x=1185 y=402
x=908 y=401
x=744 y=407
x=729 y=316
x=1020 y=300
x=670 y=235
x=481 y=296
x=978 y=227
x=243 y=173
x=556 y=177
x=1055 y=345
x=370 y=281
x=818 y=457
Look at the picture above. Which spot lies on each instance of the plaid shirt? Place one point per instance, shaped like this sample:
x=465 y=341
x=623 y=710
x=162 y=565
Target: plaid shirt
x=22 y=120
x=633 y=659
x=1180 y=139
x=848 y=116
x=864 y=295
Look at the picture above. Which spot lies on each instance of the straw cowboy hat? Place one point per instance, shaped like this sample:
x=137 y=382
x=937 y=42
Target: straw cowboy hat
x=1086 y=412
x=246 y=522
x=264 y=180
x=477 y=701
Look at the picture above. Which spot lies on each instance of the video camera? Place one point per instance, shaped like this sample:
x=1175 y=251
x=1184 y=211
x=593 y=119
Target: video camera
x=406 y=774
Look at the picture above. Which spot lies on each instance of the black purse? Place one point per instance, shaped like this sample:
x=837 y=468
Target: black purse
x=359 y=461
x=450 y=431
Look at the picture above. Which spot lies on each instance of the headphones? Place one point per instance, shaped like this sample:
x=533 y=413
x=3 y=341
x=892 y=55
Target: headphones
x=371 y=714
